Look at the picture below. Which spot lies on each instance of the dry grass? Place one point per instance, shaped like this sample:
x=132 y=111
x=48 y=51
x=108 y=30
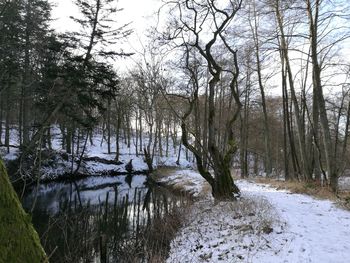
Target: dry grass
x=161 y=232
x=309 y=188
x=322 y=192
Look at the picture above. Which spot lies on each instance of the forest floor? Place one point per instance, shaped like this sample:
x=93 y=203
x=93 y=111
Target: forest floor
x=264 y=225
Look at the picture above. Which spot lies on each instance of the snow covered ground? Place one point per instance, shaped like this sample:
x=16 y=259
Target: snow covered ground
x=187 y=180
x=318 y=231
x=265 y=225
x=57 y=165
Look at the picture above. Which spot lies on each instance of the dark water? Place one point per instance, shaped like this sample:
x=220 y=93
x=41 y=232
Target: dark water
x=103 y=219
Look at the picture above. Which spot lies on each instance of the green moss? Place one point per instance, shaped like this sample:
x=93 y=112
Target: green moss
x=19 y=242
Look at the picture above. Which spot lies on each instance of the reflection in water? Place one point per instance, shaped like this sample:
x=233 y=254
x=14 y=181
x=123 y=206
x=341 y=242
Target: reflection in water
x=112 y=223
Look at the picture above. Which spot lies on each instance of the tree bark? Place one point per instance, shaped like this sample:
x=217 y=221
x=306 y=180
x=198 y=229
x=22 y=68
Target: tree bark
x=117 y=134
x=267 y=139
x=19 y=241
x=327 y=140
x=7 y=120
x=109 y=126
x=299 y=122
x=26 y=77
x=1 y=117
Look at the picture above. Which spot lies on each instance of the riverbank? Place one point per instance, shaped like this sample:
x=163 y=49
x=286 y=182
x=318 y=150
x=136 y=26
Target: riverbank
x=57 y=165
x=264 y=225
x=126 y=218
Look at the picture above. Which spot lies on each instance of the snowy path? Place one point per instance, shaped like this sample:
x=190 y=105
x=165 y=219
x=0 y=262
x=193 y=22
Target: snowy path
x=318 y=231
x=305 y=229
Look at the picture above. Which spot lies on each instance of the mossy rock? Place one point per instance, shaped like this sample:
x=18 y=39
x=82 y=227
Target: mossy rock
x=19 y=242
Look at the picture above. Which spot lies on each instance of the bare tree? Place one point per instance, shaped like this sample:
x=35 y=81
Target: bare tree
x=254 y=25
x=190 y=22
x=318 y=22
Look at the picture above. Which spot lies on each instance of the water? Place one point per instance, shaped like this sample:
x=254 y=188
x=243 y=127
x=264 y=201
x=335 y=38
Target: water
x=103 y=219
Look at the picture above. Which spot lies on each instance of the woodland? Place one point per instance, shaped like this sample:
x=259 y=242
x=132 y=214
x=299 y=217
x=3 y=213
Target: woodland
x=216 y=93
x=258 y=87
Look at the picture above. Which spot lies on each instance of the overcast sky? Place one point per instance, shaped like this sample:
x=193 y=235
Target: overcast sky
x=136 y=11
x=139 y=12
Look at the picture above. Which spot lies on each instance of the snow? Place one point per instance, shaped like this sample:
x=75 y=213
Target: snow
x=58 y=166
x=13 y=151
x=318 y=230
x=127 y=153
x=12 y=155
x=344 y=183
x=189 y=180
x=227 y=232
x=304 y=229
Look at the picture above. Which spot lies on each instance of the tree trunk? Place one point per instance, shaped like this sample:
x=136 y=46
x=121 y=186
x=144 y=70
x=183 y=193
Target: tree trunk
x=48 y=136
x=267 y=139
x=346 y=135
x=316 y=73
x=244 y=129
x=26 y=77
x=79 y=135
x=159 y=135
x=316 y=153
x=285 y=126
x=128 y=126
x=167 y=139
x=141 y=130
x=64 y=135
x=109 y=126
x=299 y=122
x=117 y=133
x=205 y=125
x=136 y=134
x=19 y=241
x=1 y=117
x=69 y=139
x=223 y=186
x=7 y=120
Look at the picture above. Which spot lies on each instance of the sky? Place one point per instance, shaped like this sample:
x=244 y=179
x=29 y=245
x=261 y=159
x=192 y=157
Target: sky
x=140 y=13
x=136 y=11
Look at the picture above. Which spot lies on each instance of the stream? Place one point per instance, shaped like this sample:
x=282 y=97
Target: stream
x=102 y=219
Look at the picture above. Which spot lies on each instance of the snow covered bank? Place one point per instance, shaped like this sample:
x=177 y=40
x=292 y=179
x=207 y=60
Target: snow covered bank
x=185 y=180
x=57 y=164
x=265 y=225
